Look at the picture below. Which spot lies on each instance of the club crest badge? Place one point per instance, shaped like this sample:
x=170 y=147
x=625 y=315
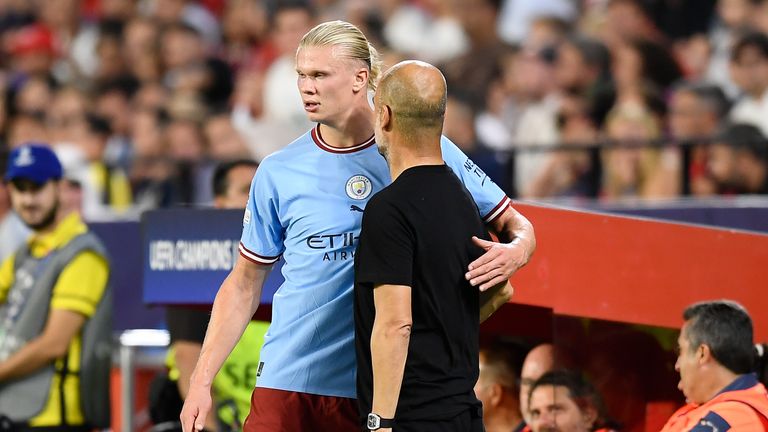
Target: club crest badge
x=359 y=187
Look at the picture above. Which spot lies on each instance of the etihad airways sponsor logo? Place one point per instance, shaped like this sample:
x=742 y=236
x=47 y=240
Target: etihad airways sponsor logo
x=335 y=247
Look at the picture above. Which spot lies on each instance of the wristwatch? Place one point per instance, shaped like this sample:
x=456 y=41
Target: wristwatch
x=375 y=422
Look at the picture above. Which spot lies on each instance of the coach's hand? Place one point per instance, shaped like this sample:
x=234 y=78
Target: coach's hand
x=197 y=405
x=499 y=262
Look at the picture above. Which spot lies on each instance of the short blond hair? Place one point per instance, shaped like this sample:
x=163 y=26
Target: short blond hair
x=352 y=43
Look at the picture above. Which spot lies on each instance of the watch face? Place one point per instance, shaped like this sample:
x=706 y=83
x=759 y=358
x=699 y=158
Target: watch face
x=373 y=421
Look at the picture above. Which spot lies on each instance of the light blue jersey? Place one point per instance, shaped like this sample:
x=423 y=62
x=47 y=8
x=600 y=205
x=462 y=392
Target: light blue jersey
x=306 y=204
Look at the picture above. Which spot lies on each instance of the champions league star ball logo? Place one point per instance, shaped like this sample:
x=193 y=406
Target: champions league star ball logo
x=24 y=158
x=359 y=187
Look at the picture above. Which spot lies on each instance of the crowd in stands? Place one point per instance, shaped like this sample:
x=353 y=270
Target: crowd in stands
x=640 y=98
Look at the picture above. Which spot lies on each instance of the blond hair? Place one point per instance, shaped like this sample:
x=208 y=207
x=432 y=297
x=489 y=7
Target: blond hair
x=352 y=43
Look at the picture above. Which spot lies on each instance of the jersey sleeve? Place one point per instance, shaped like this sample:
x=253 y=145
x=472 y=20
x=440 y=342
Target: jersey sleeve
x=263 y=234
x=490 y=200
x=81 y=284
x=386 y=249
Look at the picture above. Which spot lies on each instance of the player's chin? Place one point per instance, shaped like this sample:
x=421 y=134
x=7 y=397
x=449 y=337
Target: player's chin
x=315 y=117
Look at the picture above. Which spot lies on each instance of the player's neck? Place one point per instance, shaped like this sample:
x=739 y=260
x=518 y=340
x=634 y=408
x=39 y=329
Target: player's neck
x=350 y=130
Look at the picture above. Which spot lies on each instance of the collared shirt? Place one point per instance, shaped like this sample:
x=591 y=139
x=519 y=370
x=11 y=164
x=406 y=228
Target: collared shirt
x=740 y=406
x=79 y=288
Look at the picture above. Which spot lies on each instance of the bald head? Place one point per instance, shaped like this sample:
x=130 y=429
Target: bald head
x=540 y=360
x=415 y=92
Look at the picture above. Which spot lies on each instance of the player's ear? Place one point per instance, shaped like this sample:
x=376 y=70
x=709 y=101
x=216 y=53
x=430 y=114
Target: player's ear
x=361 y=80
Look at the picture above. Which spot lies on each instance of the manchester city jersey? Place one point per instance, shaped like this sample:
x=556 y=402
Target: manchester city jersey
x=306 y=203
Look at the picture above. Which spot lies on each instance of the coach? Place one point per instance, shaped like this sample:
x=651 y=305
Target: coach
x=416 y=316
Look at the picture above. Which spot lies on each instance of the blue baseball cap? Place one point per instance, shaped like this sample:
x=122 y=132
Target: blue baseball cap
x=34 y=162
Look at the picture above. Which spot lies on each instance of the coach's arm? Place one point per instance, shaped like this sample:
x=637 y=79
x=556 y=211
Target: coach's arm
x=389 y=346
x=501 y=260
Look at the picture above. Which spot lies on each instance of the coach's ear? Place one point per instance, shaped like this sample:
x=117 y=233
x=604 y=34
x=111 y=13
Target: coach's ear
x=385 y=119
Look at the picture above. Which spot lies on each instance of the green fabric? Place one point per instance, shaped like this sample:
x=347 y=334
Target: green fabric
x=234 y=383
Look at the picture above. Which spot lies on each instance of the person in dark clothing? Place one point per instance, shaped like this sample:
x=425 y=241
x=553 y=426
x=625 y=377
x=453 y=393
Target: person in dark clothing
x=738 y=161
x=416 y=316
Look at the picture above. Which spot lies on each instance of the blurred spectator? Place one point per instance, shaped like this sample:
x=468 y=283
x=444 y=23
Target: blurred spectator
x=516 y=16
x=282 y=101
x=565 y=401
x=540 y=360
x=749 y=68
x=583 y=65
x=245 y=27
x=261 y=136
x=547 y=32
x=641 y=63
x=26 y=127
x=113 y=103
x=473 y=72
x=74 y=176
x=106 y=190
x=759 y=19
x=738 y=161
x=150 y=95
x=224 y=142
x=110 y=60
x=733 y=18
x=65 y=113
x=188 y=68
x=537 y=117
x=190 y=13
x=33 y=96
x=627 y=20
x=571 y=173
x=187 y=147
x=637 y=172
x=696 y=113
x=427 y=30
x=75 y=39
x=459 y=127
x=693 y=53
x=141 y=49
x=151 y=171
x=32 y=51
x=498 y=388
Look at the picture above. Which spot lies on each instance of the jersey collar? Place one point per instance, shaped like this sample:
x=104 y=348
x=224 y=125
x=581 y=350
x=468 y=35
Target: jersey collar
x=318 y=139
x=69 y=227
x=743 y=382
